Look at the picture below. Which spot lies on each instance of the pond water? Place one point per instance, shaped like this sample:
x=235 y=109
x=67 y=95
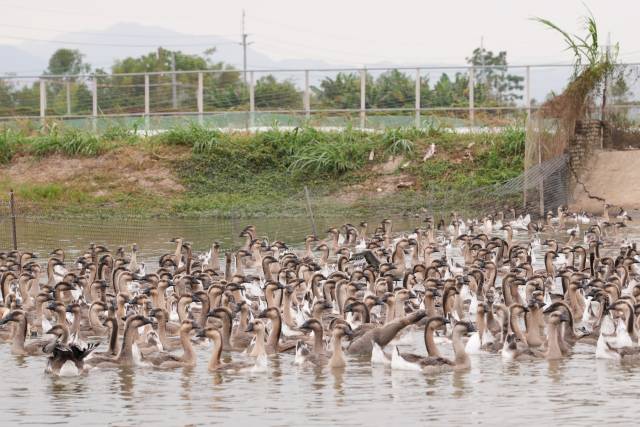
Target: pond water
x=578 y=390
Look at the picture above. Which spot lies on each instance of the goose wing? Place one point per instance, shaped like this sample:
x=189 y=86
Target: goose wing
x=435 y=361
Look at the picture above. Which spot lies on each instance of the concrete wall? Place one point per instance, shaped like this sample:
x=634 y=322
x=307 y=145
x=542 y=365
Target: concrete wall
x=604 y=174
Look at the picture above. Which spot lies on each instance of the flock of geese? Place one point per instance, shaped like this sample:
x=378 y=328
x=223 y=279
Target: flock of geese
x=471 y=286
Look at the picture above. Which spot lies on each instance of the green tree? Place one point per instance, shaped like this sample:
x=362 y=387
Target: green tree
x=273 y=94
x=394 y=89
x=6 y=98
x=494 y=85
x=69 y=92
x=343 y=91
x=67 y=62
x=450 y=93
x=619 y=89
x=221 y=90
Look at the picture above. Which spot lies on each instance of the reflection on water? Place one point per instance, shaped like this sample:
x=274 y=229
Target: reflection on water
x=533 y=391
x=573 y=391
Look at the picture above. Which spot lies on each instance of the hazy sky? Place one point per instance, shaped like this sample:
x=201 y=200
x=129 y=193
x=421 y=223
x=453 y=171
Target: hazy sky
x=349 y=32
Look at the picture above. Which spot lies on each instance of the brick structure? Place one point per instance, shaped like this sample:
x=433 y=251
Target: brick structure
x=589 y=136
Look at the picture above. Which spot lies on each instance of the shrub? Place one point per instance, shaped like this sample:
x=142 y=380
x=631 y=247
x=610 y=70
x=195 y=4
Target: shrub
x=192 y=135
x=68 y=141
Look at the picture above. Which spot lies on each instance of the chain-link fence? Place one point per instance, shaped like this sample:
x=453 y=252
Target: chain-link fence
x=373 y=98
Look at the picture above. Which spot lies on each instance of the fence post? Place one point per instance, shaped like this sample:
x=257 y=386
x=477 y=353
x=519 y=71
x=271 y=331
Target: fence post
x=307 y=96
x=43 y=99
x=528 y=90
x=252 y=100
x=12 y=207
x=363 y=98
x=68 y=89
x=146 y=102
x=200 y=98
x=94 y=103
x=472 y=84
x=174 y=82
x=418 y=97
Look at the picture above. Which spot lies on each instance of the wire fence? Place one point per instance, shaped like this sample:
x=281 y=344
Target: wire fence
x=372 y=98
x=541 y=188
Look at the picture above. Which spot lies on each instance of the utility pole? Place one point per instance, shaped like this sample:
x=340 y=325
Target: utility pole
x=174 y=84
x=482 y=70
x=244 y=49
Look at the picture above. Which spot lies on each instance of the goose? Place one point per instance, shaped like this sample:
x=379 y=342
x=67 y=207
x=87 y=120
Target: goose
x=125 y=356
x=215 y=364
x=383 y=334
x=461 y=359
x=317 y=355
x=274 y=345
x=66 y=358
x=166 y=360
x=20 y=345
x=337 y=359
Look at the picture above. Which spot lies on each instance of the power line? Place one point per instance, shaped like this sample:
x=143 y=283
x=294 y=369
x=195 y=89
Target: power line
x=103 y=34
x=62 y=42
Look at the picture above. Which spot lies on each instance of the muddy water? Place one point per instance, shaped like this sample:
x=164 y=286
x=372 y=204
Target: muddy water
x=153 y=236
x=579 y=390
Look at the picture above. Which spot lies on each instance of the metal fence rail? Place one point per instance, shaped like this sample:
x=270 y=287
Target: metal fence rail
x=220 y=98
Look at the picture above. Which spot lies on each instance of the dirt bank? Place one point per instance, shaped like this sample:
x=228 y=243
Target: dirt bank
x=127 y=169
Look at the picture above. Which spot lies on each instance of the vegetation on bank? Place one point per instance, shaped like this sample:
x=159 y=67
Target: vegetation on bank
x=265 y=173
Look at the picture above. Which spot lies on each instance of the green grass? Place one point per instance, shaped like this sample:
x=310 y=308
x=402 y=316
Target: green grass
x=9 y=141
x=262 y=174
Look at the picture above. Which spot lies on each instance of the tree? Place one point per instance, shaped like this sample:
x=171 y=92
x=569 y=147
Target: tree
x=6 y=97
x=223 y=90
x=67 y=61
x=619 y=89
x=450 y=93
x=273 y=94
x=494 y=85
x=394 y=89
x=344 y=91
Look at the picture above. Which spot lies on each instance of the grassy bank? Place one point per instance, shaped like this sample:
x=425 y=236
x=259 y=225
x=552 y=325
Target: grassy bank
x=192 y=170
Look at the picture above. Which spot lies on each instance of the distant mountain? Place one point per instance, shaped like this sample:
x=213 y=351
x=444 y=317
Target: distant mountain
x=19 y=61
x=101 y=48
